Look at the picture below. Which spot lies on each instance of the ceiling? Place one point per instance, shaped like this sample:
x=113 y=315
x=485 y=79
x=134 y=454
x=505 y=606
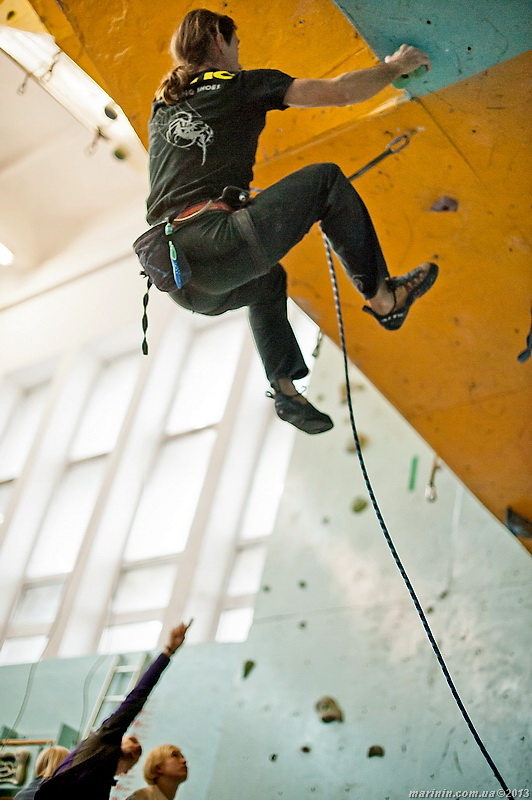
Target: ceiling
x=52 y=191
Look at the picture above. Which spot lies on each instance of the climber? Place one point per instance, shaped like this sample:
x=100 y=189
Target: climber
x=206 y=119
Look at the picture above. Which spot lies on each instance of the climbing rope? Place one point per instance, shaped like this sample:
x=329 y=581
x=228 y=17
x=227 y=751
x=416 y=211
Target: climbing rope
x=384 y=529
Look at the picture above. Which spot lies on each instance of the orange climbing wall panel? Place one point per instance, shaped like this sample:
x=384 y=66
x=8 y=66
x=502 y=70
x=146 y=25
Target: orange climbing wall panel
x=452 y=370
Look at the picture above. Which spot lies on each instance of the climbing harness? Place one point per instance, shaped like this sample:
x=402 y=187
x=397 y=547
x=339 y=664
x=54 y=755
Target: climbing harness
x=155 y=245
x=164 y=263
x=402 y=141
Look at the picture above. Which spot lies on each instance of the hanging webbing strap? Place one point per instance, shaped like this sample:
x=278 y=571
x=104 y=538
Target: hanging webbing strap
x=145 y=301
x=246 y=228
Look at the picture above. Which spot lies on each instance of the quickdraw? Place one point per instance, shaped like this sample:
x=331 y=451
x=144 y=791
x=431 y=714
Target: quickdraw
x=395 y=146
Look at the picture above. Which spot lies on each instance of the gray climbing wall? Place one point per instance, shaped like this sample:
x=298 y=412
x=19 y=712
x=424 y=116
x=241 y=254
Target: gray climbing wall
x=334 y=618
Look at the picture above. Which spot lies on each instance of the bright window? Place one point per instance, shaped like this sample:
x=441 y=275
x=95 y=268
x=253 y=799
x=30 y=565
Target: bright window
x=144 y=587
x=205 y=382
x=5 y=491
x=20 y=431
x=106 y=408
x=22 y=648
x=268 y=482
x=234 y=625
x=168 y=502
x=67 y=518
x=38 y=604
x=130 y=637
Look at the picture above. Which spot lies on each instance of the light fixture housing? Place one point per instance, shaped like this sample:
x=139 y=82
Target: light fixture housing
x=42 y=60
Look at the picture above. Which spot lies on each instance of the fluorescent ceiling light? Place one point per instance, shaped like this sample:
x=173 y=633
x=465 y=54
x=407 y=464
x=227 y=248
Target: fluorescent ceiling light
x=6 y=256
x=40 y=57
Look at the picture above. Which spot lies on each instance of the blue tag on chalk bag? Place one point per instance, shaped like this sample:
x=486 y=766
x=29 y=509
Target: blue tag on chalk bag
x=180 y=266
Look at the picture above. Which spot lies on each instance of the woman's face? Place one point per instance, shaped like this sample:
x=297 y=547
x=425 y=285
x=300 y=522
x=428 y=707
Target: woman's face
x=174 y=766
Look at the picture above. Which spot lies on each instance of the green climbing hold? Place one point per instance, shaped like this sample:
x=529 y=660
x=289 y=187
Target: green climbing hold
x=358 y=505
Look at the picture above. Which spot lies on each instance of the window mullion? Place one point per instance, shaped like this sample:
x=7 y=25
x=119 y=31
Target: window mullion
x=136 y=448
x=192 y=553
x=40 y=476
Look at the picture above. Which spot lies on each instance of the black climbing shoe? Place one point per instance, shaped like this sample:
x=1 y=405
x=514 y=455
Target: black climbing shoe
x=302 y=415
x=416 y=283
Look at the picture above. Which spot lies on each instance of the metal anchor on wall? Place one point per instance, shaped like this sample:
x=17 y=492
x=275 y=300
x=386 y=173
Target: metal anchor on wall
x=430 y=489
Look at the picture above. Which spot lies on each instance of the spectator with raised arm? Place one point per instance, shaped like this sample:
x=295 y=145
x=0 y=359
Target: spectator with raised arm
x=89 y=772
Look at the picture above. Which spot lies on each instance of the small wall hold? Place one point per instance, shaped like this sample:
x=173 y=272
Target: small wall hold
x=375 y=750
x=248 y=666
x=316 y=351
x=363 y=441
x=358 y=505
x=302 y=584
x=430 y=489
x=343 y=391
x=413 y=473
x=120 y=154
x=110 y=111
x=273 y=757
x=517 y=524
x=329 y=710
x=302 y=624
x=305 y=748
x=445 y=203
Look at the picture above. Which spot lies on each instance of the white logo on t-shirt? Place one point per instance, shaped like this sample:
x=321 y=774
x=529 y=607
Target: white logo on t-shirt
x=186 y=128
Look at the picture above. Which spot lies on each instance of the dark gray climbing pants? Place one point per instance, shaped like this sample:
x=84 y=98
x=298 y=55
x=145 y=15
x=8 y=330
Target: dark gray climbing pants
x=229 y=273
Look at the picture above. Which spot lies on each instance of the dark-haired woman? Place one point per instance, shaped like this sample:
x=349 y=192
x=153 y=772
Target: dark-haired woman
x=207 y=116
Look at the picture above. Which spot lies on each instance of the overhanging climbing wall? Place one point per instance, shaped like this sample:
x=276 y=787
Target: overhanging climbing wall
x=452 y=371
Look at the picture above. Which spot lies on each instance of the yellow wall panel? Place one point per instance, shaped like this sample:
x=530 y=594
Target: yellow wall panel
x=452 y=370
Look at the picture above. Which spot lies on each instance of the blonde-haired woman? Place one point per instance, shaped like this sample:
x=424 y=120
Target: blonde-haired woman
x=165 y=769
x=47 y=762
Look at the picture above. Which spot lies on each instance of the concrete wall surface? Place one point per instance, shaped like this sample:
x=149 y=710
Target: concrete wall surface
x=335 y=619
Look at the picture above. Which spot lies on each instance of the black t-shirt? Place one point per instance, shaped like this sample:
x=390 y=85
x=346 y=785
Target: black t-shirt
x=208 y=140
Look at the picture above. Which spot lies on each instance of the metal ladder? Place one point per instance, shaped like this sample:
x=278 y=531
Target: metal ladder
x=117 y=667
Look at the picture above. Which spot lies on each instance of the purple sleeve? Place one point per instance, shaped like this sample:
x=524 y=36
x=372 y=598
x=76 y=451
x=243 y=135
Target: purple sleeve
x=114 y=727
x=117 y=724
